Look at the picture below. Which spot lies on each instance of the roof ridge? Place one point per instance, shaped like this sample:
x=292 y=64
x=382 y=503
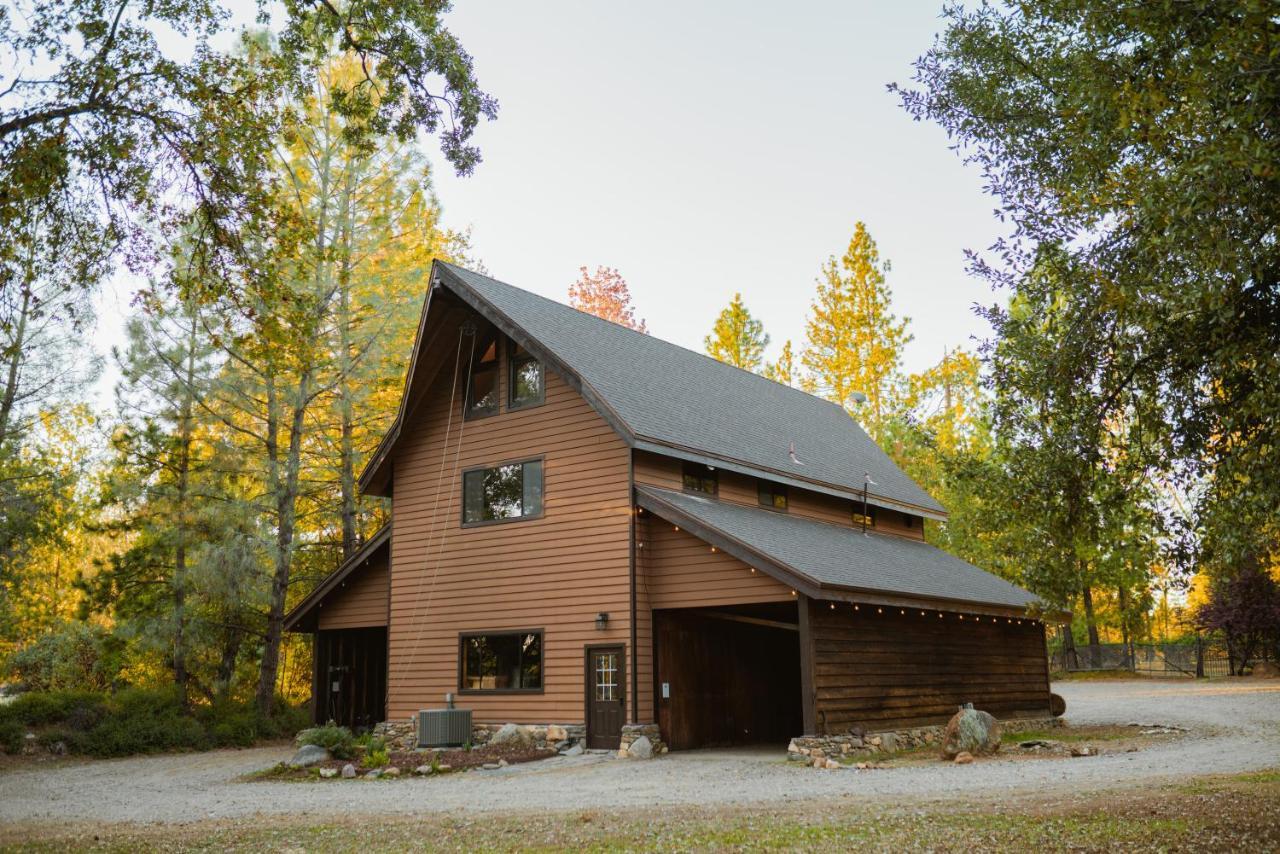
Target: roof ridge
x=651 y=337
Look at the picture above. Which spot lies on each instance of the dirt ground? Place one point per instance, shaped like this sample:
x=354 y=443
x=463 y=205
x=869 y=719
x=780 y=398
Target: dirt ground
x=1232 y=729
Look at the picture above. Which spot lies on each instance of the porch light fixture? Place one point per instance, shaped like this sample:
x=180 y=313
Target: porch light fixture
x=602 y=621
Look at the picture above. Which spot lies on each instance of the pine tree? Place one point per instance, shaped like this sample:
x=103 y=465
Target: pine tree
x=737 y=338
x=854 y=340
x=604 y=293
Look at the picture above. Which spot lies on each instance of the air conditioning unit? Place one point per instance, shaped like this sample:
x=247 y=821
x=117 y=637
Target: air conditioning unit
x=448 y=727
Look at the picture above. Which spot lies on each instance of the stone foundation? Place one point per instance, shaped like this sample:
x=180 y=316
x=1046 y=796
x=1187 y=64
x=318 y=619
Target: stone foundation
x=631 y=733
x=856 y=745
x=403 y=734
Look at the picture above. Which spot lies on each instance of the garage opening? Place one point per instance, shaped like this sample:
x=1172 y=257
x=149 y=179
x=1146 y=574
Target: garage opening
x=728 y=675
x=351 y=677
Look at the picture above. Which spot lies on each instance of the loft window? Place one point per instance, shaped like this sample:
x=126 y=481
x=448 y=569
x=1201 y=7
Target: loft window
x=772 y=495
x=482 y=385
x=526 y=381
x=512 y=491
x=863 y=514
x=501 y=661
x=700 y=478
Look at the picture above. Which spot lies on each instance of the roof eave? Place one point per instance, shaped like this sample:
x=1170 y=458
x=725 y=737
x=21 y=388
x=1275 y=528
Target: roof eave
x=300 y=613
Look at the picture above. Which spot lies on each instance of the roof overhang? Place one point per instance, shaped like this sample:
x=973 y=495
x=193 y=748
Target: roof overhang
x=303 y=616
x=808 y=586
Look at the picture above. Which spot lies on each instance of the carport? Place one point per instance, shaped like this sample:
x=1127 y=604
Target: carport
x=728 y=675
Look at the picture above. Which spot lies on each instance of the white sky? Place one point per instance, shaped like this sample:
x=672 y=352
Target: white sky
x=709 y=148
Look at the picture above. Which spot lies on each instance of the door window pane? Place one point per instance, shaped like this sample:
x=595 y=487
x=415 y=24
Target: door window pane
x=606 y=676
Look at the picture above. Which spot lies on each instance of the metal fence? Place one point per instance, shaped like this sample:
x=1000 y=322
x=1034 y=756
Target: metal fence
x=1208 y=658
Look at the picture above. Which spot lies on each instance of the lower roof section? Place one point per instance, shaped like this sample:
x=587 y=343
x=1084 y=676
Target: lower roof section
x=302 y=618
x=823 y=560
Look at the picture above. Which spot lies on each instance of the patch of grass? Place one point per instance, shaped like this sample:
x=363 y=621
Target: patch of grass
x=1230 y=812
x=1073 y=734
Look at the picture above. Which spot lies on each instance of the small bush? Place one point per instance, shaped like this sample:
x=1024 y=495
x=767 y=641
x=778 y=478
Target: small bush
x=80 y=709
x=78 y=656
x=335 y=739
x=376 y=758
x=12 y=734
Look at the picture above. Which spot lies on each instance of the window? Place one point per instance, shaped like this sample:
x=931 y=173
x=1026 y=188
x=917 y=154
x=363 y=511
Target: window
x=773 y=495
x=482 y=385
x=607 y=677
x=501 y=661
x=699 y=478
x=863 y=514
x=512 y=491
x=526 y=378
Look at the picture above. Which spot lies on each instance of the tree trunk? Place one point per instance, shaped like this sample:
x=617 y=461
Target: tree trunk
x=286 y=507
x=15 y=363
x=1070 y=659
x=346 y=449
x=1095 y=648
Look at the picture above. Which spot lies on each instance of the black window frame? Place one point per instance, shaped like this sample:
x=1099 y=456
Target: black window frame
x=702 y=474
x=463 y=637
x=516 y=357
x=469 y=412
x=767 y=493
x=524 y=517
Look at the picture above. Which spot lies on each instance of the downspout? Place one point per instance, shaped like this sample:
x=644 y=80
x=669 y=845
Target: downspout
x=635 y=634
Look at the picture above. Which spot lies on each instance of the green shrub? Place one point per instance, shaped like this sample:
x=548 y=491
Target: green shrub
x=79 y=709
x=12 y=734
x=376 y=758
x=335 y=739
x=77 y=656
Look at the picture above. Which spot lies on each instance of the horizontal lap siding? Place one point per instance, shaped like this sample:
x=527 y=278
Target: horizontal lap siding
x=658 y=470
x=361 y=601
x=553 y=573
x=888 y=670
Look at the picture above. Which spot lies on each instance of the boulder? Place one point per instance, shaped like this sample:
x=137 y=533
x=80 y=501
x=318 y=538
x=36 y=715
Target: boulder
x=308 y=755
x=641 y=748
x=1265 y=670
x=491 y=766
x=970 y=731
x=374 y=774
x=512 y=734
x=391 y=771
x=573 y=750
x=1057 y=705
x=348 y=771
x=557 y=733
x=422 y=770
x=328 y=772
x=964 y=757
x=833 y=765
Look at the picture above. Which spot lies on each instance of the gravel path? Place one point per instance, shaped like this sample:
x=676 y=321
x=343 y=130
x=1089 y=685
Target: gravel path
x=1235 y=726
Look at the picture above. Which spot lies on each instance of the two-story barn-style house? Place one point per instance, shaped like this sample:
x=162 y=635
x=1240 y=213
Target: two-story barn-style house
x=594 y=527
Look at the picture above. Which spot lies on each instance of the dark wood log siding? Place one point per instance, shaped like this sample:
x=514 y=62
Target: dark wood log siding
x=557 y=571
x=360 y=601
x=885 y=671
x=361 y=655
x=665 y=471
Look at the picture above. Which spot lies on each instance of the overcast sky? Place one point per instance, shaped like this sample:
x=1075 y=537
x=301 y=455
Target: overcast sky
x=706 y=148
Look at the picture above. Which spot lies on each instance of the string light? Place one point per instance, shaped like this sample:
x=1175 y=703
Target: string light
x=855 y=607
x=677 y=527
x=833 y=606
x=713 y=549
x=879 y=610
x=903 y=611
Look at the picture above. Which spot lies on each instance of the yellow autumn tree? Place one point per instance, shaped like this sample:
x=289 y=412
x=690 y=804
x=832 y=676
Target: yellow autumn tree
x=784 y=369
x=737 y=338
x=854 y=340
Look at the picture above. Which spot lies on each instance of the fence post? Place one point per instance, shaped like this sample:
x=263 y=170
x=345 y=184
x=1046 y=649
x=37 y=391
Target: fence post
x=1199 y=656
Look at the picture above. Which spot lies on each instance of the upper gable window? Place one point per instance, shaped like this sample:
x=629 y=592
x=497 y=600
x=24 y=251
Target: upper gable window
x=700 y=478
x=482 y=385
x=526 y=381
x=772 y=495
x=511 y=491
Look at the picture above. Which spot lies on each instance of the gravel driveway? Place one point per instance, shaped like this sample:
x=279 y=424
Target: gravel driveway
x=1235 y=726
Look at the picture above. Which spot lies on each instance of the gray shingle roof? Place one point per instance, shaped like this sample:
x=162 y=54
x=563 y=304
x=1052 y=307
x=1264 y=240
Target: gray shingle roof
x=676 y=398
x=833 y=556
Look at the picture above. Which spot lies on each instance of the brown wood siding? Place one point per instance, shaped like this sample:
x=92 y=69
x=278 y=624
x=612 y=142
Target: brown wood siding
x=675 y=569
x=553 y=573
x=890 y=670
x=360 y=602
x=657 y=470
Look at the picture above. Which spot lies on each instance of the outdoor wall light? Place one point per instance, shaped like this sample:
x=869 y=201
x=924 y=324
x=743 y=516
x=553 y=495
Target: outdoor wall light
x=602 y=621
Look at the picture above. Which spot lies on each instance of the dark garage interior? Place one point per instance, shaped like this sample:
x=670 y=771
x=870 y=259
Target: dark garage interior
x=351 y=677
x=728 y=675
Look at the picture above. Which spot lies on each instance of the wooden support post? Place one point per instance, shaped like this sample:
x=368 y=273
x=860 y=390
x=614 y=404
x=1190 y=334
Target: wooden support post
x=808 y=697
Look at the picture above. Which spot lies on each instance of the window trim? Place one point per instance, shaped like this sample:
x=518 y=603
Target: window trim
x=542 y=646
x=715 y=476
x=483 y=523
x=541 y=399
x=472 y=415
x=773 y=487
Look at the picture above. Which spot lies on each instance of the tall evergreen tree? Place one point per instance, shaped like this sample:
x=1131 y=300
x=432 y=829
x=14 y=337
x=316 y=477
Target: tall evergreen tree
x=737 y=338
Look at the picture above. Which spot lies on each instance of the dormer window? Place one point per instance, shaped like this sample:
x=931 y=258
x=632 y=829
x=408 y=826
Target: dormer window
x=526 y=382
x=700 y=478
x=772 y=495
x=482 y=385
